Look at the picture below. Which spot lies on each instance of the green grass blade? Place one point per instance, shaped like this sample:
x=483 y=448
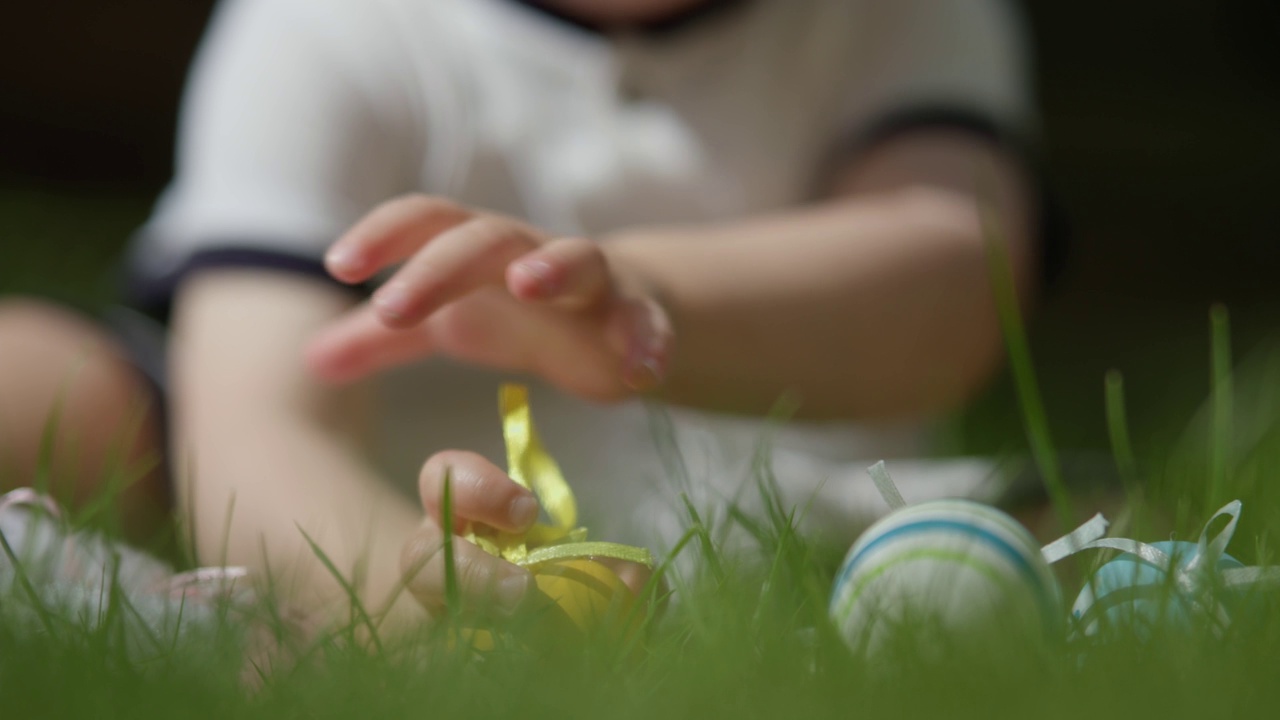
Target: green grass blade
x=758 y=530
x=663 y=431
x=1221 y=389
x=177 y=626
x=709 y=550
x=120 y=599
x=43 y=482
x=1021 y=366
x=648 y=596
x=452 y=594
x=118 y=474
x=186 y=517
x=1118 y=430
x=357 y=607
x=224 y=547
x=20 y=574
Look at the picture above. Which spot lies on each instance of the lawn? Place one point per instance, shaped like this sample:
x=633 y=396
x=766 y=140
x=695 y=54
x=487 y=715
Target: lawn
x=744 y=634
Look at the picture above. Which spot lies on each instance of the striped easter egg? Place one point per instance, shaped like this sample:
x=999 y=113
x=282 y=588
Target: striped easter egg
x=944 y=569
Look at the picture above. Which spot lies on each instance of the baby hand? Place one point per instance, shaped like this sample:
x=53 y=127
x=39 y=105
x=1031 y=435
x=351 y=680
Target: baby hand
x=491 y=290
x=482 y=496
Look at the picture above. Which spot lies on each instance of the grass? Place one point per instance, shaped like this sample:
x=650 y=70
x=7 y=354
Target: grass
x=66 y=246
x=746 y=634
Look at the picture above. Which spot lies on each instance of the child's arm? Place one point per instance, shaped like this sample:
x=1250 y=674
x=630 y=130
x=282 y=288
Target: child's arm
x=263 y=454
x=267 y=455
x=876 y=303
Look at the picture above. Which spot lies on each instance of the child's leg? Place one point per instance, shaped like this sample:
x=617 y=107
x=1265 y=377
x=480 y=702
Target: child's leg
x=50 y=355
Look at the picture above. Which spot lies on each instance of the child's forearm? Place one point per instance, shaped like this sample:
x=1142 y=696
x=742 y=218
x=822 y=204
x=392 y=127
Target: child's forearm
x=282 y=479
x=877 y=304
x=265 y=455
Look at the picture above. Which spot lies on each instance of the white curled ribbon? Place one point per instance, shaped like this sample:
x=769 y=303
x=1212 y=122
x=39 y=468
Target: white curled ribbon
x=1208 y=552
x=884 y=483
x=1197 y=578
x=1079 y=539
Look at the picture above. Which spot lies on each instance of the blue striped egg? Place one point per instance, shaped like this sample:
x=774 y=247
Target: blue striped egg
x=1134 y=595
x=948 y=566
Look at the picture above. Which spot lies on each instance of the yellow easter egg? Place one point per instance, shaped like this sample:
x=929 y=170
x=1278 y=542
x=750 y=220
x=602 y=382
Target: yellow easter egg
x=589 y=594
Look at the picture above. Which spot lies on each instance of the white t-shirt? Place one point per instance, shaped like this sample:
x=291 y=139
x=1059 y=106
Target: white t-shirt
x=301 y=115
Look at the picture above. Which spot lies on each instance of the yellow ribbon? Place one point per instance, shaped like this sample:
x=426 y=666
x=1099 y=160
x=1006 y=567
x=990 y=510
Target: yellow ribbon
x=530 y=465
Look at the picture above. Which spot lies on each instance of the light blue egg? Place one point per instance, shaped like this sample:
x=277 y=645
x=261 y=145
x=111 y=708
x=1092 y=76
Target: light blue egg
x=1131 y=594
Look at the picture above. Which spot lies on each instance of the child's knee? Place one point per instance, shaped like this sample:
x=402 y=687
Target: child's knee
x=48 y=353
x=59 y=370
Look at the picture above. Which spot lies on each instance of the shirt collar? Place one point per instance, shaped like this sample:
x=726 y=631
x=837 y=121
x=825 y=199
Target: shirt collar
x=659 y=27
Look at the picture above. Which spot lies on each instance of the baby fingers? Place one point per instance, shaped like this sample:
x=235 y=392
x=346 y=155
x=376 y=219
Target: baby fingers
x=480 y=492
x=569 y=271
x=456 y=262
x=484 y=581
x=641 y=330
x=359 y=344
x=392 y=232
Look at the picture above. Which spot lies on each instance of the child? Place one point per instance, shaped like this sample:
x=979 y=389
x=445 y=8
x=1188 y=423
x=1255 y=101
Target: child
x=716 y=201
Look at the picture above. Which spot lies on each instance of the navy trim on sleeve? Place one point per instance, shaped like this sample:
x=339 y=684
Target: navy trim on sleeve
x=1053 y=229
x=938 y=116
x=154 y=295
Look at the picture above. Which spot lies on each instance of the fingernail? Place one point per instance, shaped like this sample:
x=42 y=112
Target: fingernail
x=523 y=511
x=645 y=364
x=342 y=261
x=542 y=275
x=653 y=344
x=392 y=300
x=511 y=590
x=643 y=374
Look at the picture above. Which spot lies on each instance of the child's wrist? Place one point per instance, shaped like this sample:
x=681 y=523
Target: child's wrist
x=648 y=362
x=631 y=260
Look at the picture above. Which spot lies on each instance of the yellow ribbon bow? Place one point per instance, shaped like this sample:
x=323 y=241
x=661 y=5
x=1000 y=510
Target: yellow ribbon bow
x=529 y=464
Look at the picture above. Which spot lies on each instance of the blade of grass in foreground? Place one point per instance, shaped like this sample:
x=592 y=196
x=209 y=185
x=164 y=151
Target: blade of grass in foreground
x=120 y=473
x=452 y=597
x=43 y=481
x=184 y=512
x=663 y=431
x=708 y=546
x=1024 y=377
x=124 y=610
x=1220 y=429
x=357 y=607
x=20 y=574
x=649 y=598
x=1118 y=429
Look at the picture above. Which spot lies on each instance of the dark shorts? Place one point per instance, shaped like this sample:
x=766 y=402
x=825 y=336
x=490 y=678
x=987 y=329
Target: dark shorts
x=144 y=342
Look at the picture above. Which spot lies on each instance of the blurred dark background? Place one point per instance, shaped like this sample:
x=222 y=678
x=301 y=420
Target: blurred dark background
x=1160 y=121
